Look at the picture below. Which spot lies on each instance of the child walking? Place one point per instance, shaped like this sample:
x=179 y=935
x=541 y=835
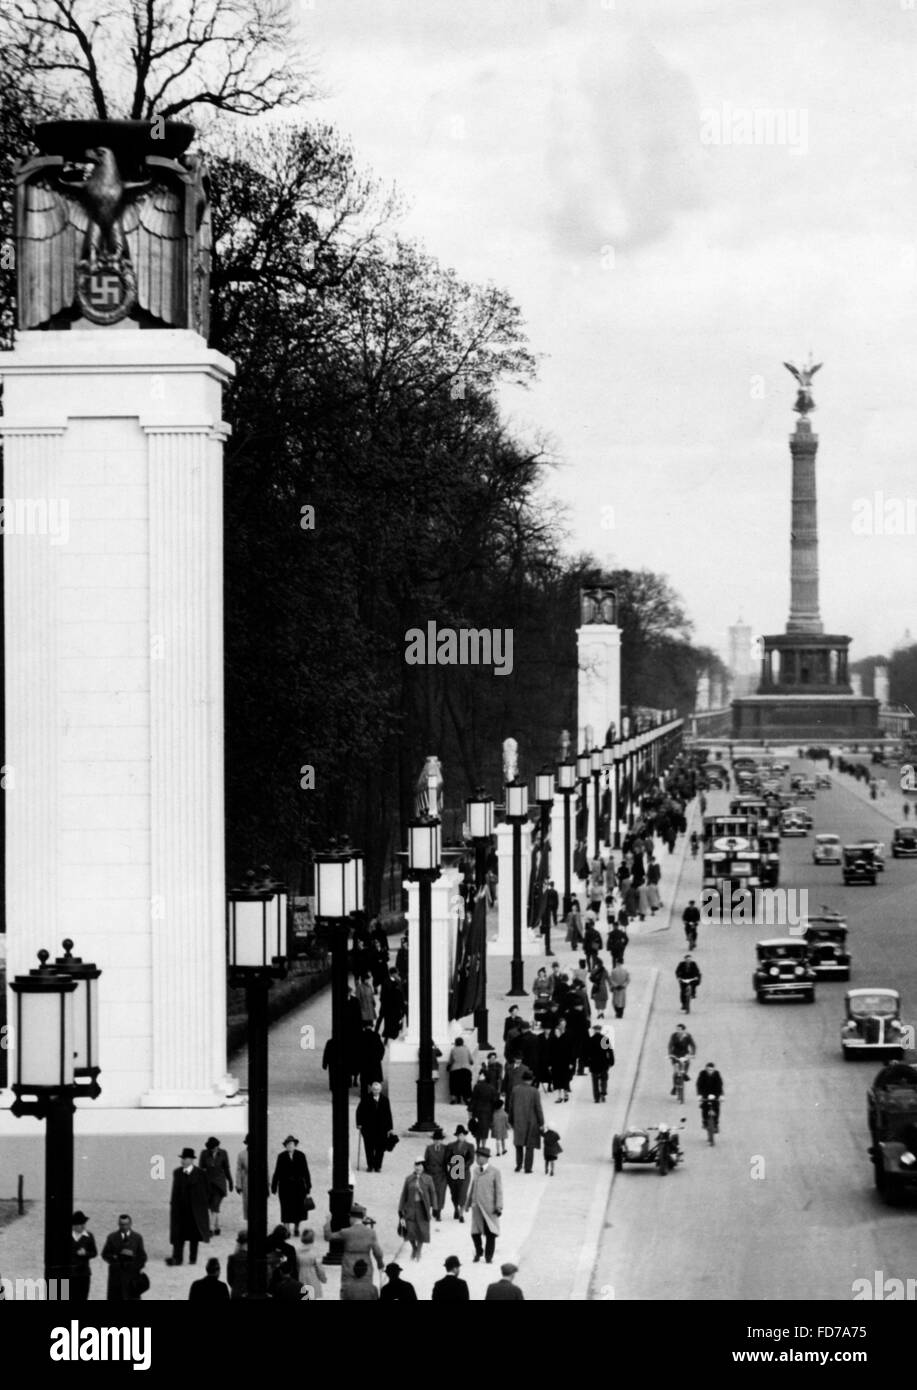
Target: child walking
x=552 y=1148
x=499 y=1127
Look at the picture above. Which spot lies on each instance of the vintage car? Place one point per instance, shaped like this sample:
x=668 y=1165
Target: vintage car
x=873 y=1024
x=792 y=822
x=806 y=789
x=659 y=1145
x=859 y=864
x=743 y=764
x=891 y=1112
x=783 y=969
x=904 y=842
x=827 y=850
x=715 y=775
x=822 y=780
x=826 y=938
x=878 y=850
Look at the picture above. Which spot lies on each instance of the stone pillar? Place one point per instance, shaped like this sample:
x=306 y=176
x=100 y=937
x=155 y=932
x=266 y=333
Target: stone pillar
x=557 y=846
x=445 y=904
x=804 y=614
x=599 y=682
x=503 y=946
x=880 y=684
x=114 y=694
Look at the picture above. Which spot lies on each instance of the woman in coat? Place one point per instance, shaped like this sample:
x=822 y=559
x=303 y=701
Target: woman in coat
x=242 y=1177
x=459 y=1163
x=599 y=991
x=459 y=1069
x=310 y=1271
x=620 y=979
x=481 y=1108
x=415 y=1207
x=561 y=1057
x=653 y=875
x=215 y=1163
x=574 y=923
x=292 y=1182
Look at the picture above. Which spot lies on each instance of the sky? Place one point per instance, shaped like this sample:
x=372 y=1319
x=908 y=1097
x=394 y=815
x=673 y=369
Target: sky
x=681 y=195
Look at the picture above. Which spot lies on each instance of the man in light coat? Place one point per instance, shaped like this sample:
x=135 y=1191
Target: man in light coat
x=485 y=1202
x=527 y=1119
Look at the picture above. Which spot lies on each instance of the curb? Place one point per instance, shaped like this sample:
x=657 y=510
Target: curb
x=589 y=1254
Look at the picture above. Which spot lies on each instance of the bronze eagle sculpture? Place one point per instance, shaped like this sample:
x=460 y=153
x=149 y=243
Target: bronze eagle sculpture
x=804 y=375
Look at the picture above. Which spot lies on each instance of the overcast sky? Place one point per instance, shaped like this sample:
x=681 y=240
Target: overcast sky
x=586 y=155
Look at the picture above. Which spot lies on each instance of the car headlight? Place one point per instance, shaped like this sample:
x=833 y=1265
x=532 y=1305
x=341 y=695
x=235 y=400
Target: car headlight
x=800 y=970
x=773 y=970
x=907 y=1160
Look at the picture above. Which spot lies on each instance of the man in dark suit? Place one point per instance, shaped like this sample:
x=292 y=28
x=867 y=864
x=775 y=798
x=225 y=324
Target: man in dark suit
x=451 y=1289
x=397 y=1290
x=125 y=1256
x=189 y=1209
x=504 y=1290
x=82 y=1250
x=211 y=1288
x=374 y=1121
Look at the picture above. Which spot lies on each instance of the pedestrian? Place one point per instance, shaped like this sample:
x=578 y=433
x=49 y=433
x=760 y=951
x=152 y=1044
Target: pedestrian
x=543 y=1056
x=552 y=1149
x=358 y=1241
x=214 y=1163
x=512 y=1027
x=375 y=1123
x=397 y=1290
x=490 y=879
x=459 y=1068
x=550 y=904
x=82 y=1250
x=576 y=1016
x=527 y=1119
x=599 y=991
x=434 y=1162
x=600 y=1058
x=542 y=993
x=309 y=1267
x=125 y=1256
x=620 y=979
x=653 y=876
x=415 y=1208
x=499 y=1127
x=617 y=943
x=574 y=926
x=561 y=984
x=562 y=1062
x=643 y=901
x=459 y=1163
x=360 y=1289
x=211 y=1288
x=485 y=1202
x=401 y=963
x=513 y=1072
x=592 y=943
x=371 y=1056
x=391 y=1007
x=281 y=1259
x=691 y=919
x=292 y=1183
x=505 y=1290
x=237 y=1267
x=242 y=1176
x=189 y=1209
x=451 y=1288
x=484 y=1097
x=353 y=1033
x=366 y=998
x=493 y=1071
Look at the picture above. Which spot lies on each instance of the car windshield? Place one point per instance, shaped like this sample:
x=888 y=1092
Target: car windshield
x=791 y=951
x=863 y=852
x=828 y=839
x=873 y=1005
x=826 y=933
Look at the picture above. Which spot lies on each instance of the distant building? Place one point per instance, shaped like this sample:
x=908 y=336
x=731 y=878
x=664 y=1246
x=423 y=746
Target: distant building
x=740 y=659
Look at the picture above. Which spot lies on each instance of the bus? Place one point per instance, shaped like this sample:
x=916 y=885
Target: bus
x=732 y=877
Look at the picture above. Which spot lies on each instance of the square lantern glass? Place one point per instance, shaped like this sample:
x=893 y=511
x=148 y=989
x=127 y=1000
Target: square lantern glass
x=608 y=756
x=44 y=1032
x=544 y=786
x=355 y=882
x=595 y=760
x=333 y=886
x=252 y=921
x=85 y=1010
x=479 y=816
x=566 y=775
x=583 y=766
x=517 y=799
x=424 y=846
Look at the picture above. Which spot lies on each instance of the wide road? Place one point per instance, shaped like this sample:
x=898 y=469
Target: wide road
x=783 y=1207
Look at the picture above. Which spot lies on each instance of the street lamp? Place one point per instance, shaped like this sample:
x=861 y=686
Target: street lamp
x=596 y=763
x=56 y=1061
x=517 y=813
x=544 y=795
x=424 y=859
x=479 y=816
x=256 y=932
x=338 y=895
x=566 y=785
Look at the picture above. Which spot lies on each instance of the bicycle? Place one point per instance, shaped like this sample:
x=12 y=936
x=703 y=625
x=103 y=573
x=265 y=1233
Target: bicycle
x=687 y=990
x=680 y=1076
x=710 y=1116
x=691 y=936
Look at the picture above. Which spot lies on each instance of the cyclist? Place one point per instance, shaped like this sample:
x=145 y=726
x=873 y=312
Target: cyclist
x=688 y=976
x=681 y=1048
x=691 y=919
x=710 y=1086
x=695 y=844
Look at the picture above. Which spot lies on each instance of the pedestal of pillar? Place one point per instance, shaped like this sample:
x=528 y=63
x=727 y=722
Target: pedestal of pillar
x=114 y=693
x=598 y=701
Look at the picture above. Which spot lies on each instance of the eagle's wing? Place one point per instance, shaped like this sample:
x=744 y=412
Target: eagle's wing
x=154 y=228
x=51 y=231
x=790 y=368
x=813 y=370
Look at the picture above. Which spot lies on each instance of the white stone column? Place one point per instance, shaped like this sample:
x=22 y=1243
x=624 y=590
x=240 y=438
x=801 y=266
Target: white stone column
x=445 y=904
x=599 y=681
x=114 y=696
x=503 y=946
x=557 y=847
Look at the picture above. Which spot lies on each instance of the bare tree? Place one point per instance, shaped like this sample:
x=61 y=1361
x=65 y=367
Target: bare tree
x=158 y=58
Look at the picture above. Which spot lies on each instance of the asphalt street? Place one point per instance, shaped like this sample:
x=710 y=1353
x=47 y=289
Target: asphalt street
x=783 y=1207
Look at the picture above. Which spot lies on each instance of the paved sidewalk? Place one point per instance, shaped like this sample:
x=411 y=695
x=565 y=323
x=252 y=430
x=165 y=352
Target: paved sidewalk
x=550 y=1228
x=888 y=804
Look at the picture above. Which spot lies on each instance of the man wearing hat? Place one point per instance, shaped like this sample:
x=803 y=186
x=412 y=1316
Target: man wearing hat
x=434 y=1162
x=527 y=1119
x=451 y=1289
x=125 y=1256
x=375 y=1123
x=504 y=1290
x=189 y=1209
x=397 y=1290
x=214 y=1163
x=459 y=1163
x=82 y=1250
x=292 y=1182
x=600 y=1058
x=485 y=1202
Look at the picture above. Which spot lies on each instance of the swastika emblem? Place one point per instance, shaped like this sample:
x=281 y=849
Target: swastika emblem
x=105 y=291
x=106 y=288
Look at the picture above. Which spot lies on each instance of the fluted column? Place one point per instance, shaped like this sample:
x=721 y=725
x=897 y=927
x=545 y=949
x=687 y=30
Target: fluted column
x=186 y=783
x=804 y=614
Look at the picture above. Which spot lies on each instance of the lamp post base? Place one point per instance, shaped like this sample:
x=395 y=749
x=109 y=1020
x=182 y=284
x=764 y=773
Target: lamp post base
x=516 y=990
x=426 y=1107
x=481 y=1023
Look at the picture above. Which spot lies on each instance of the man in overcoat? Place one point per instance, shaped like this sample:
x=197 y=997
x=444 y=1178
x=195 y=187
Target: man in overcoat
x=125 y=1256
x=485 y=1202
x=527 y=1119
x=189 y=1209
x=374 y=1121
x=459 y=1163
